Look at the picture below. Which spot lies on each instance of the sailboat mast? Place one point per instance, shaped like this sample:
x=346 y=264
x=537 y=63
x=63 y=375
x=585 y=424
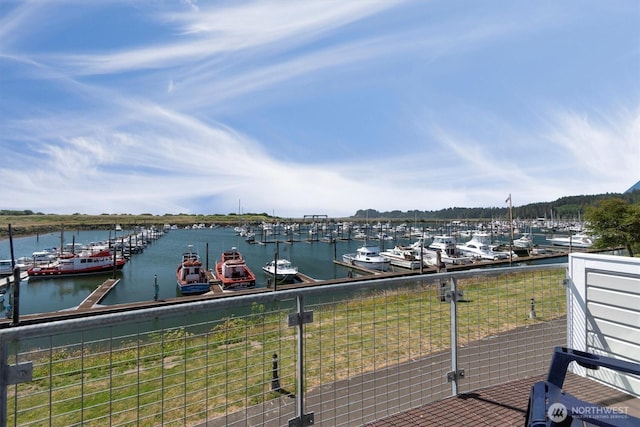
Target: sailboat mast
x=510 y=230
x=511 y=217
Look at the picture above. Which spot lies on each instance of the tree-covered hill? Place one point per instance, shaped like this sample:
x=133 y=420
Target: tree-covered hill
x=567 y=208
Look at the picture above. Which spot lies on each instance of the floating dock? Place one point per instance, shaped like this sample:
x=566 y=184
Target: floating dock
x=98 y=295
x=8 y=280
x=357 y=267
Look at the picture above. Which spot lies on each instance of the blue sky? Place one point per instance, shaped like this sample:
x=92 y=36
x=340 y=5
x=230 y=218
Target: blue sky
x=315 y=107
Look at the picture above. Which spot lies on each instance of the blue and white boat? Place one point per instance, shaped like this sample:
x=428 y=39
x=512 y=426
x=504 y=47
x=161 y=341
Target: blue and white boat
x=192 y=277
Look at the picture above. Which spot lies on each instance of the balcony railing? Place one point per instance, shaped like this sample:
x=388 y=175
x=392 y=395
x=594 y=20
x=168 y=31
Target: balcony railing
x=339 y=354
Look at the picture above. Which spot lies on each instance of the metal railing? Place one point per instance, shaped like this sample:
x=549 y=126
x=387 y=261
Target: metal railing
x=337 y=354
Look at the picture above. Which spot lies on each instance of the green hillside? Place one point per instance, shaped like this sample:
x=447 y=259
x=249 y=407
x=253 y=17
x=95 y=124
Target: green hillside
x=565 y=208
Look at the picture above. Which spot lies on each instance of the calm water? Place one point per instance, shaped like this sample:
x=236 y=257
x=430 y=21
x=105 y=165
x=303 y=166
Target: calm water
x=160 y=260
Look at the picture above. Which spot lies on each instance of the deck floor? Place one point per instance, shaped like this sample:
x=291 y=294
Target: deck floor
x=503 y=405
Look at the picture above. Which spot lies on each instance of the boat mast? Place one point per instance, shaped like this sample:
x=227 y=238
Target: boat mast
x=61 y=239
x=275 y=267
x=510 y=230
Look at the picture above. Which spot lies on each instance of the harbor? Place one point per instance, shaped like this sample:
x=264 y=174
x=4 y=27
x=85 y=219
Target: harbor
x=149 y=277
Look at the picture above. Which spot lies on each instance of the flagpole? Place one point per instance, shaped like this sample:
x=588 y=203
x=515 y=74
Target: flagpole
x=511 y=231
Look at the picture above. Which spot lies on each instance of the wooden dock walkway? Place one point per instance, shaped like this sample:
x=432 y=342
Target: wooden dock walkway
x=215 y=285
x=356 y=267
x=8 y=280
x=306 y=279
x=98 y=295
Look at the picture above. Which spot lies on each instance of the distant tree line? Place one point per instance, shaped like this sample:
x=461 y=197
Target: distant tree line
x=18 y=213
x=565 y=208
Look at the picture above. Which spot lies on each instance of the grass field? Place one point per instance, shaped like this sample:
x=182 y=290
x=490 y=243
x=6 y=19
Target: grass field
x=184 y=376
x=42 y=223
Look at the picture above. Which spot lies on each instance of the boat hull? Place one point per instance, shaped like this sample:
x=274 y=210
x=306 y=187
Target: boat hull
x=583 y=243
x=381 y=265
x=403 y=257
x=42 y=272
x=281 y=277
x=194 y=288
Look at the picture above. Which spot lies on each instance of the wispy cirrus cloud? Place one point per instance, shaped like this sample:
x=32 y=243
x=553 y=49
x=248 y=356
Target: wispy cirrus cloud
x=213 y=31
x=337 y=105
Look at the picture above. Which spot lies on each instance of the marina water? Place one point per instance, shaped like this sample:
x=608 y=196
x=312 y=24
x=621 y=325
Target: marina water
x=160 y=259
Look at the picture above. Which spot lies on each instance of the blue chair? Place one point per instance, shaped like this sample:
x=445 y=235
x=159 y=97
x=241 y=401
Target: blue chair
x=550 y=406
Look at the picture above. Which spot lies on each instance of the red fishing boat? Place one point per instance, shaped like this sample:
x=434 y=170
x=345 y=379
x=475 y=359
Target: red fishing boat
x=85 y=262
x=232 y=271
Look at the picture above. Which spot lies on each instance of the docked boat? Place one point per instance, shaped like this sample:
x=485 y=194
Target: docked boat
x=232 y=271
x=576 y=241
x=6 y=267
x=282 y=269
x=524 y=241
x=405 y=257
x=449 y=253
x=478 y=248
x=82 y=263
x=368 y=257
x=43 y=258
x=445 y=244
x=191 y=275
x=422 y=253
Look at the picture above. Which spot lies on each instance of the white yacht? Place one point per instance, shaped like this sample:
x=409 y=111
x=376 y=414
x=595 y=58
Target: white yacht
x=368 y=257
x=524 y=241
x=478 y=248
x=282 y=269
x=445 y=244
x=449 y=253
x=405 y=257
x=576 y=241
x=6 y=267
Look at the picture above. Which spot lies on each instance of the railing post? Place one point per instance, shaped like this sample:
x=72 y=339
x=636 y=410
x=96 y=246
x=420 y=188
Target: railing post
x=298 y=319
x=4 y=359
x=453 y=376
x=10 y=374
